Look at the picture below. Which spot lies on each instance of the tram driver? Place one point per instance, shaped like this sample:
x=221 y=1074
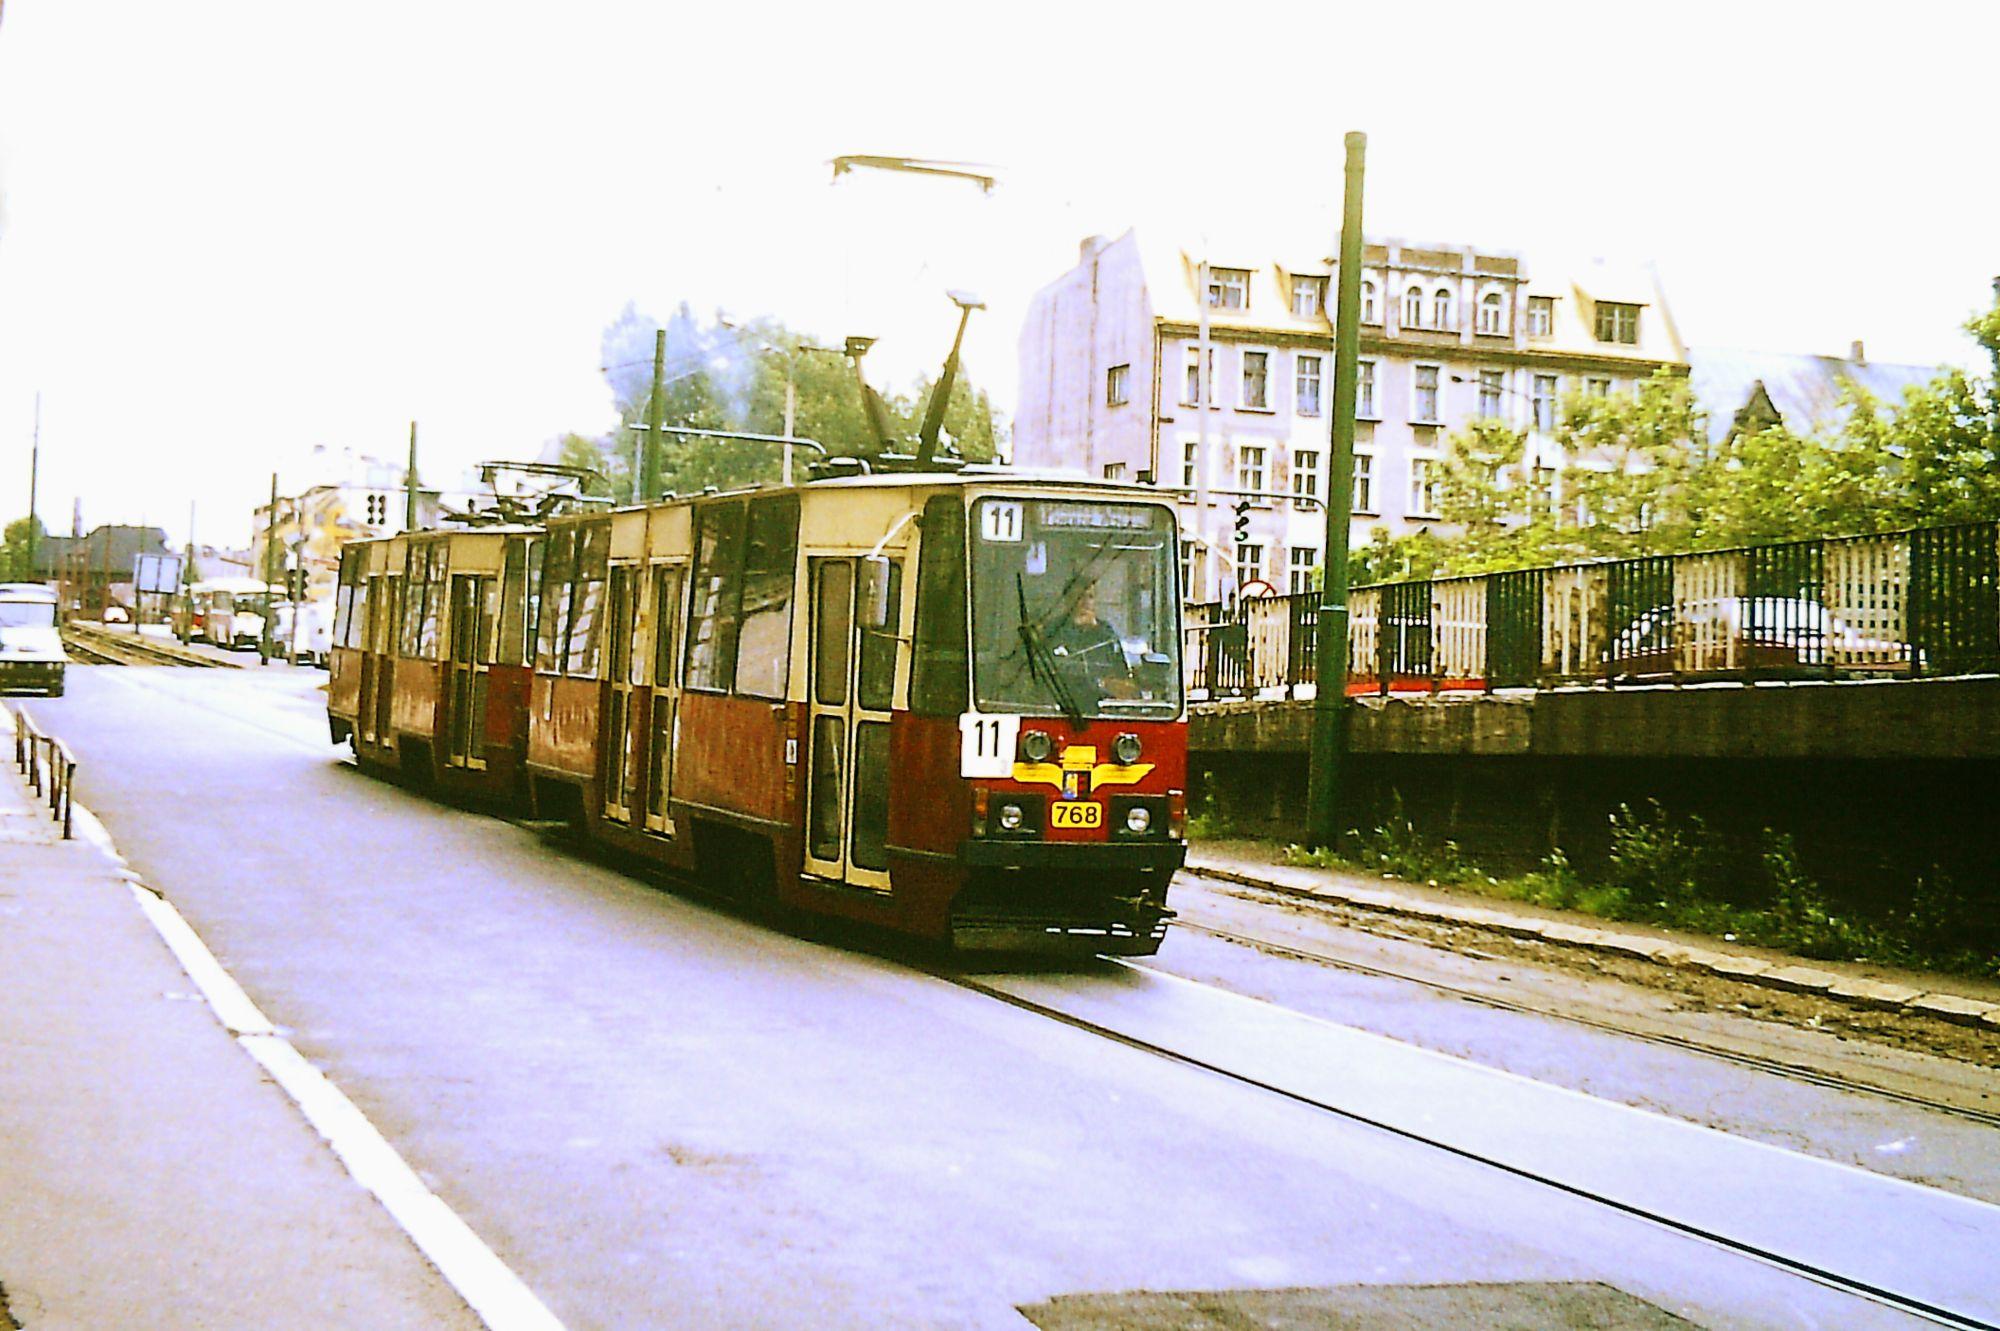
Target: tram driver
x=1085 y=644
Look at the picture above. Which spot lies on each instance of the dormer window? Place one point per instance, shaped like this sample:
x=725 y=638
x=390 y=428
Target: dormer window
x=1541 y=316
x=1229 y=288
x=1308 y=296
x=1617 y=323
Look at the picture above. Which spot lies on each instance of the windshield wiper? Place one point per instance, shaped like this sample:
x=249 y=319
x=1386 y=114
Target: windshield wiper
x=1040 y=660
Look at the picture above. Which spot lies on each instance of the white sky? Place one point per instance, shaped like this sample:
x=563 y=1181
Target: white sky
x=230 y=231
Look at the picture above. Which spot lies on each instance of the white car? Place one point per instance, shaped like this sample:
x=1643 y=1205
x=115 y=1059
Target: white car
x=31 y=650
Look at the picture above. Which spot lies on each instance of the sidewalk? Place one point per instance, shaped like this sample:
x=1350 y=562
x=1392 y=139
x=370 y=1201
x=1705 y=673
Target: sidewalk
x=151 y=1176
x=1957 y=999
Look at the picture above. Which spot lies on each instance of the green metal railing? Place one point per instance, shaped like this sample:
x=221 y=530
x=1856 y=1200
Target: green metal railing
x=1924 y=601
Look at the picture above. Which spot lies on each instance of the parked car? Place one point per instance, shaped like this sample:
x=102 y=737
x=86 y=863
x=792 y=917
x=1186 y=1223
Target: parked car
x=1746 y=633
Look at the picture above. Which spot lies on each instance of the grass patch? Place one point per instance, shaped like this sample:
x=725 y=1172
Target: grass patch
x=1664 y=871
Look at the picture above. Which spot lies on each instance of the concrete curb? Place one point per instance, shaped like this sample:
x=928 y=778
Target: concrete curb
x=1795 y=978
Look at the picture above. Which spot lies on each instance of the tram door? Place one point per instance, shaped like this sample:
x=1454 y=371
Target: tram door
x=474 y=601
x=852 y=687
x=378 y=664
x=618 y=753
x=668 y=580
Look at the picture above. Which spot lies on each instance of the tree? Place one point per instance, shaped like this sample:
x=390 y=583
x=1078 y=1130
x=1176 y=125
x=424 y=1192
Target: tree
x=20 y=534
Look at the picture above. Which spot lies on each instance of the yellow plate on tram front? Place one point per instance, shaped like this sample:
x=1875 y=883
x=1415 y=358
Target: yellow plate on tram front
x=1078 y=814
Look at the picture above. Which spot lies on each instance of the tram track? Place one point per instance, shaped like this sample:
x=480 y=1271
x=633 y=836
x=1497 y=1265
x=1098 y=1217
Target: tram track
x=102 y=647
x=1755 y=1062
x=1874 y=1292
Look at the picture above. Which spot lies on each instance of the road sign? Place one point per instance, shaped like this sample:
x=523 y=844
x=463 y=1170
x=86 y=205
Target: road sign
x=156 y=574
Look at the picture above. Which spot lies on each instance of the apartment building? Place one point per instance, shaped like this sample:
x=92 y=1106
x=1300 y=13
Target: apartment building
x=1448 y=332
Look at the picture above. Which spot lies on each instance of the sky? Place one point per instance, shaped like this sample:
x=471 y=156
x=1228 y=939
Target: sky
x=231 y=231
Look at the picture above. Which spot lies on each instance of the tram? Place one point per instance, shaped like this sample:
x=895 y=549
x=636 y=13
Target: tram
x=428 y=669
x=947 y=704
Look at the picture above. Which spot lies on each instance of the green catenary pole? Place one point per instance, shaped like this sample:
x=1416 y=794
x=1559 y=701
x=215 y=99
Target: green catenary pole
x=410 y=484
x=270 y=549
x=1330 y=693
x=649 y=472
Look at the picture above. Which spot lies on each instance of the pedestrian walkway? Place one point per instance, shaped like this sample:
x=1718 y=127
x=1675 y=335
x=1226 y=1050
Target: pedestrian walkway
x=151 y=1176
x=1957 y=999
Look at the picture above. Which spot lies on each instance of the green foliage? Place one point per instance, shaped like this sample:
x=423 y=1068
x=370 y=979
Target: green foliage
x=14 y=559
x=1394 y=849
x=735 y=377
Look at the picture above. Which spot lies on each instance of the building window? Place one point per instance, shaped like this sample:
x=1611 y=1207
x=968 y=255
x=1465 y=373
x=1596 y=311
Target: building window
x=1423 y=488
x=1114 y=471
x=1308 y=296
x=1541 y=490
x=1597 y=387
x=1413 y=306
x=1118 y=385
x=1424 y=407
x=1257 y=380
x=1544 y=400
x=1441 y=309
x=1191 y=392
x=1489 y=392
x=1541 y=316
x=1617 y=323
x=1305 y=386
x=1250 y=468
x=1305 y=475
x=1370 y=314
x=1190 y=459
x=1364 y=482
x=1249 y=564
x=1364 y=390
x=1305 y=558
x=1492 y=313
x=1187 y=570
x=1229 y=288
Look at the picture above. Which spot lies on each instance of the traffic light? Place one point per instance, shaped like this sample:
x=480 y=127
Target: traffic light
x=1242 y=520
x=377 y=510
x=295 y=584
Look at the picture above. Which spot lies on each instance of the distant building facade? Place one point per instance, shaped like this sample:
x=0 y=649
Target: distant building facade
x=1448 y=333
x=96 y=570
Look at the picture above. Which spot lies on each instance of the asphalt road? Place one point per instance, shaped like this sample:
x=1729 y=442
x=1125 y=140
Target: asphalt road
x=660 y=1115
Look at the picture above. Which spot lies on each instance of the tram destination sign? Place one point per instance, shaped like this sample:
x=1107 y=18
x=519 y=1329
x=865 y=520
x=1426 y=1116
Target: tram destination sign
x=1117 y=517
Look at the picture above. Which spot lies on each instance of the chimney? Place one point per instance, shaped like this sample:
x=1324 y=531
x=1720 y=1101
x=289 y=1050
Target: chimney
x=1856 y=354
x=1091 y=247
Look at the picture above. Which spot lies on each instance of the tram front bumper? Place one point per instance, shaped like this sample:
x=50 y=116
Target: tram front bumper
x=1064 y=897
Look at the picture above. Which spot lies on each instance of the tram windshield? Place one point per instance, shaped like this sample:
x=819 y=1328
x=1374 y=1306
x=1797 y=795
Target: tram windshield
x=1075 y=608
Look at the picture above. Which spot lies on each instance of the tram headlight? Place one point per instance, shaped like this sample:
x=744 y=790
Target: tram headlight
x=1126 y=749
x=1010 y=818
x=1036 y=746
x=1138 y=819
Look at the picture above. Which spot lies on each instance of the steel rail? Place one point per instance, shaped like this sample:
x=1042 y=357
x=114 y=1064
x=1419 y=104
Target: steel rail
x=130 y=649
x=1902 y=1303
x=1756 y=1062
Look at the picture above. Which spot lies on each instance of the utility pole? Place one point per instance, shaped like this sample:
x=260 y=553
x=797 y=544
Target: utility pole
x=271 y=548
x=409 y=483
x=791 y=410
x=1202 y=388
x=34 y=474
x=1330 y=674
x=649 y=470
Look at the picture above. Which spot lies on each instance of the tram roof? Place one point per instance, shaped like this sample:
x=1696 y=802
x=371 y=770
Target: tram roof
x=1043 y=478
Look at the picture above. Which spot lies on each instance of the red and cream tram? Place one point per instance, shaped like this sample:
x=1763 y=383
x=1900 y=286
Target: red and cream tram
x=429 y=666
x=947 y=704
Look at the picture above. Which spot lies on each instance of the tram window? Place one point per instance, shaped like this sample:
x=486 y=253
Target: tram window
x=557 y=564
x=427 y=627
x=344 y=596
x=868 y=841
x=513 y=603
x=711 y=648
x=586 y=616
x=832 y=631
x=938 y=684
x=667 y=616
x=764 y=638
x=413 y=600
x=878 y=649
